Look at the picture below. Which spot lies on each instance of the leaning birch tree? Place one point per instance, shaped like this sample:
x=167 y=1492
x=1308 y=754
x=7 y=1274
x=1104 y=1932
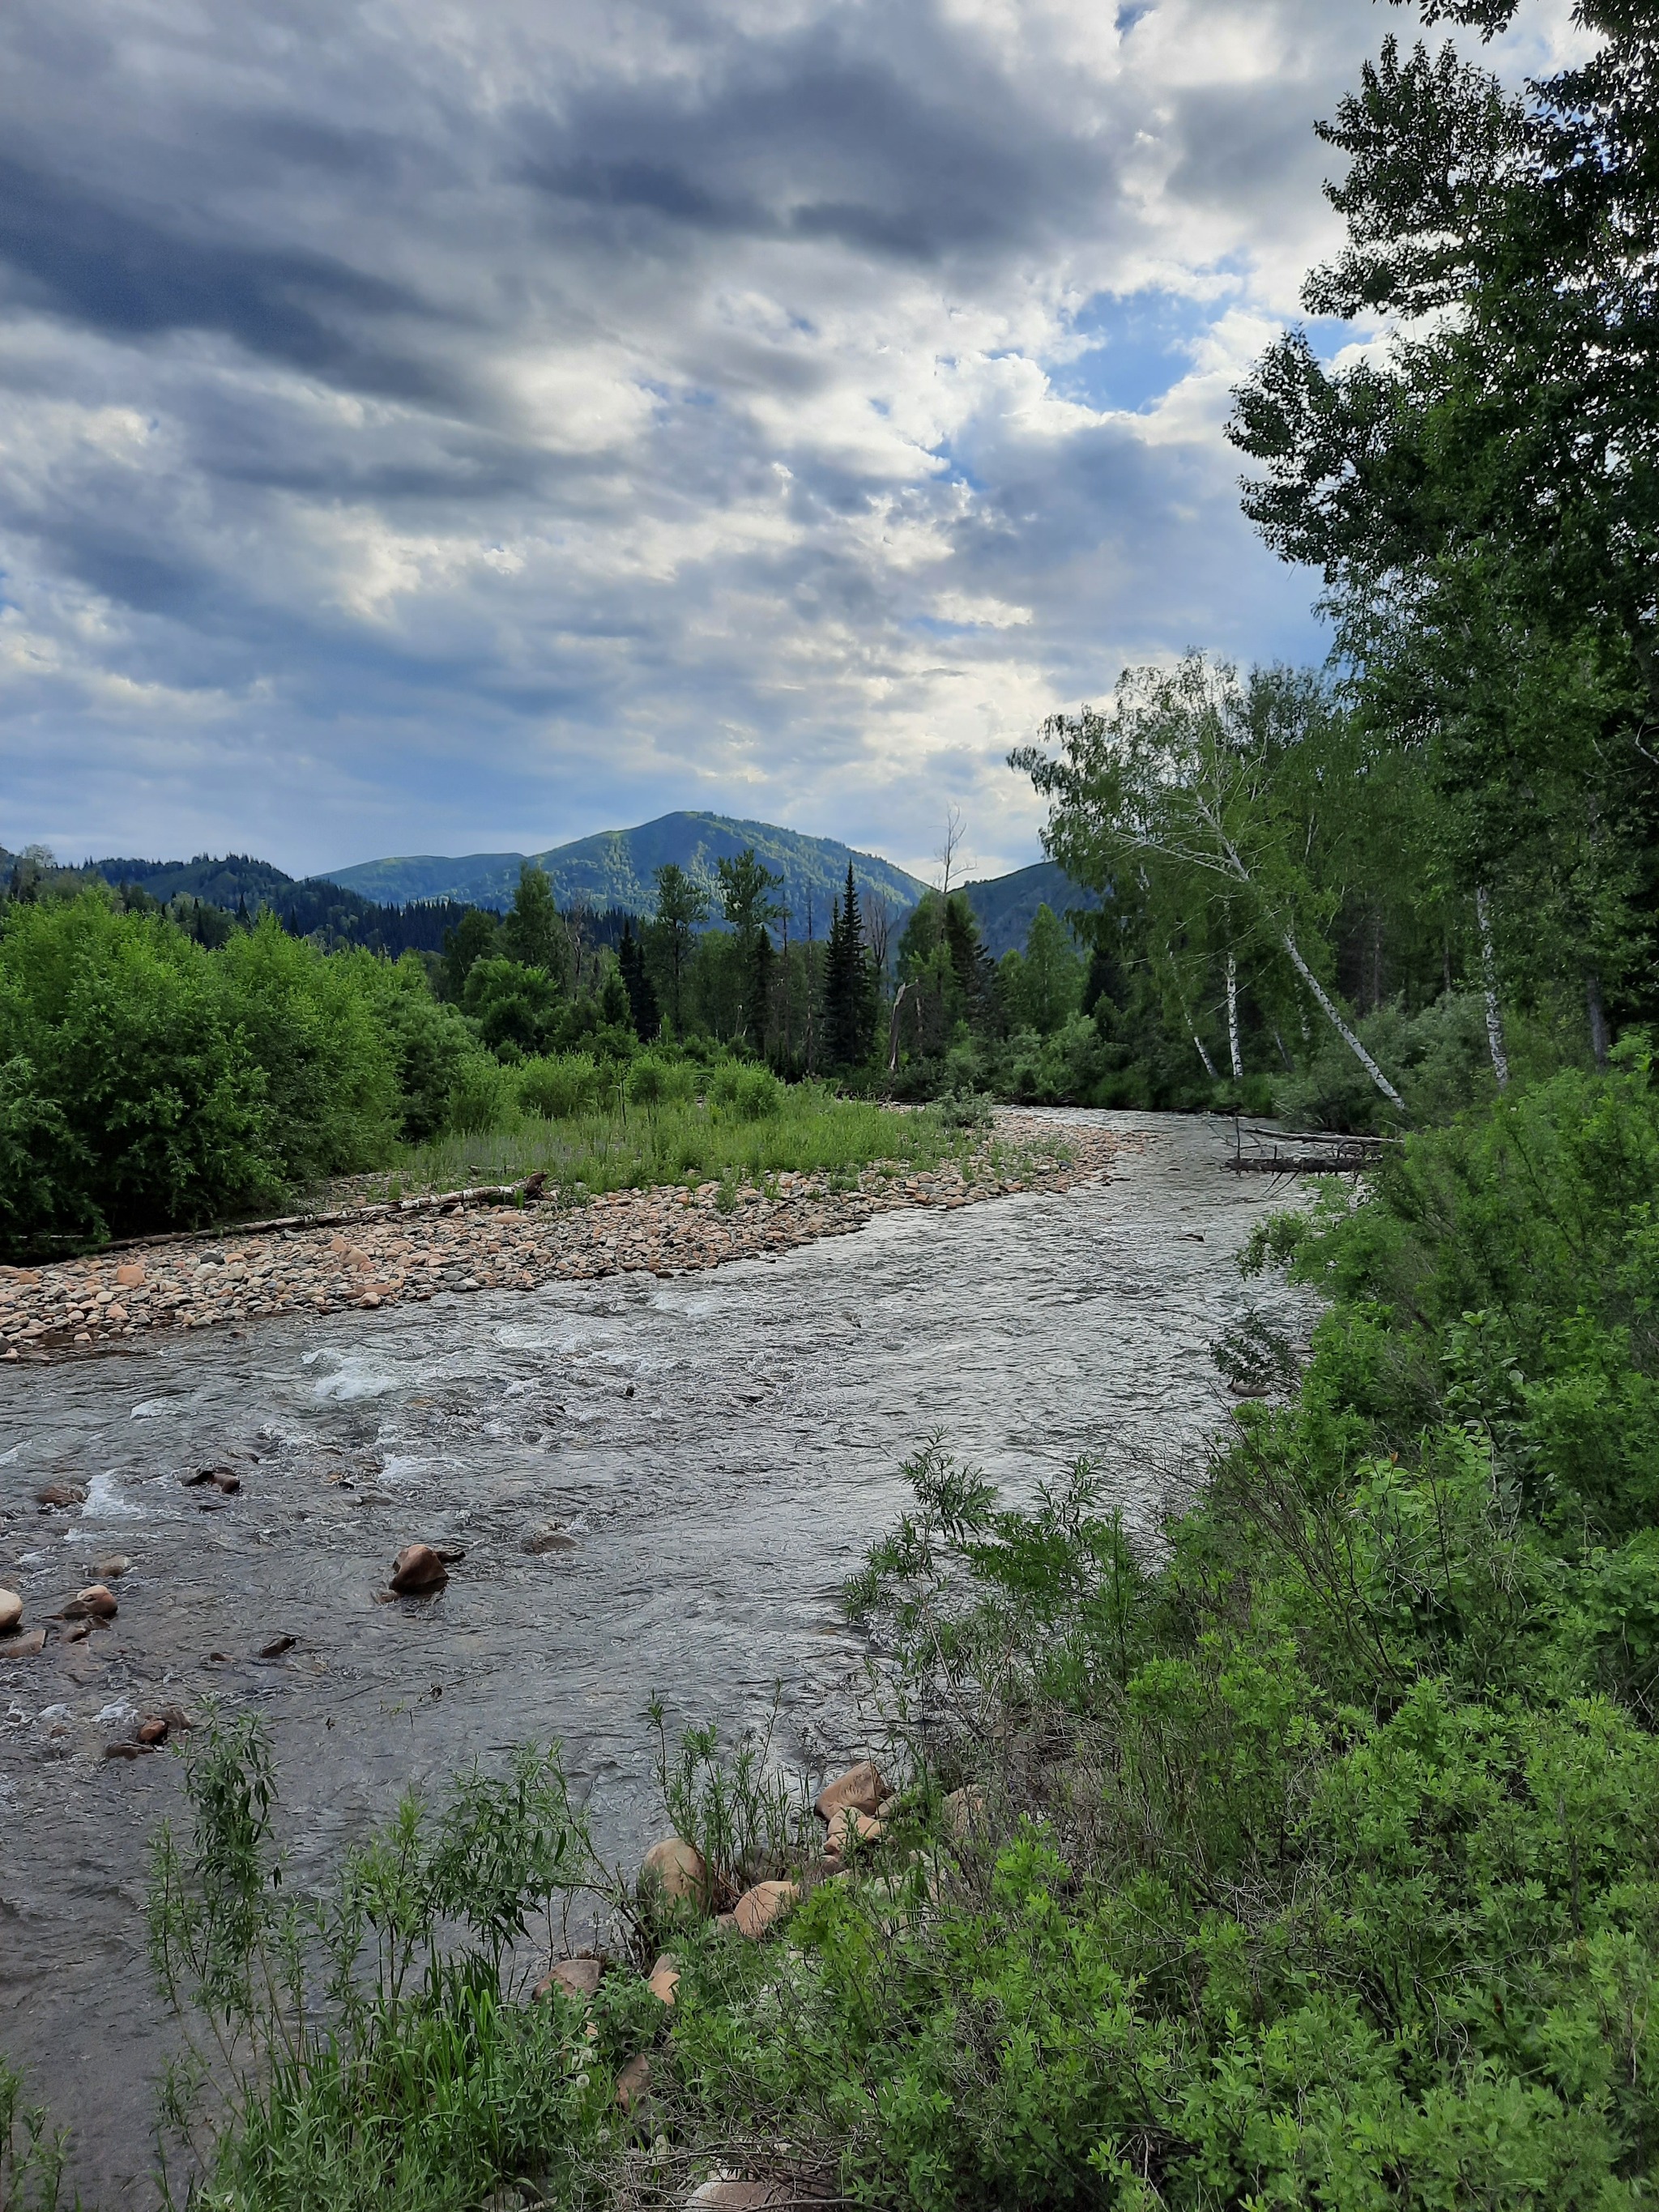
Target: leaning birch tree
x=1178 y=782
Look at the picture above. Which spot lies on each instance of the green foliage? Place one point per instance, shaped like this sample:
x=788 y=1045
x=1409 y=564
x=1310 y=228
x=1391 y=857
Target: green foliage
x=32 y=2157
x=532 y=933
x=375 y=2040
x=132 y=1099
x=557 y=1088
x=1319 y=1864
x=331 y=1081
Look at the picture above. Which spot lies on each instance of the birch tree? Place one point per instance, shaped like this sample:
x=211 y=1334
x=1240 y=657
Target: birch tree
x=1179 y=780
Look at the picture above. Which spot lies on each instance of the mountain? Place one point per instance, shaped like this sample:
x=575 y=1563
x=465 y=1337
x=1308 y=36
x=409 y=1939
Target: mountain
x=311 y=906
x=1004 y=907
x=615 y=869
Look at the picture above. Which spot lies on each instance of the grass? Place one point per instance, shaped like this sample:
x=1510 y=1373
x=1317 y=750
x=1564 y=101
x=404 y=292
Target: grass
x=630 y=1147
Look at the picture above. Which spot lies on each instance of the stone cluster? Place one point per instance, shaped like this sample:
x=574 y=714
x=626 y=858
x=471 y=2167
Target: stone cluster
x=667 y=1230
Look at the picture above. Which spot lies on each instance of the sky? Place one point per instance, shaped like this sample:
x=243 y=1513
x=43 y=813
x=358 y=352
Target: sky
x=457 y=425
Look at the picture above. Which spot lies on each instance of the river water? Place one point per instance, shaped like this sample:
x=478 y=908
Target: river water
x=722 y=1447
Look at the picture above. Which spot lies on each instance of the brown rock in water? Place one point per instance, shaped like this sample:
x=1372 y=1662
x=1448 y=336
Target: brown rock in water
x=664 y=1979
x=126 y=1750
x=59 y=1495
x=541 y=1541
x=95 y=1602
x=634 y=2083
x=11 y=1611
x=577 y=1978
x=417 y=1568
x=27 y=1645
x=153 y=1730
x=676 y=1868
x=761 y=1908
x=223 y=1478
x=277 y=1647
x=860 y=1789
x=112 y=1569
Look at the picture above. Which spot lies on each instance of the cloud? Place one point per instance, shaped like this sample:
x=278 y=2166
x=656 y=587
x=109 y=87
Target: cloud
x=437 y=428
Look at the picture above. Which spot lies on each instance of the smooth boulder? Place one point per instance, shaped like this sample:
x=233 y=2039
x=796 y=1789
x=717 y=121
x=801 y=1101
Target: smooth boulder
x=761 y=1908
x=664 y=1979
x=577 y=1978
x=860 y=1789
x=849 y=1829
x=11 y=1611
x=416 y=1569
x=634 y=2083
x=676 y=1868
x=95 y=1602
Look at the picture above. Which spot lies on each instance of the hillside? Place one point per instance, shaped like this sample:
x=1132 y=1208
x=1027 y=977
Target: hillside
x=615 y=867
x=1005 y=906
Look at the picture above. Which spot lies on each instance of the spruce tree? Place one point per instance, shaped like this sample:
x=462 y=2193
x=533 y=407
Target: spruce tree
x=848 y=985
x=646 y=1013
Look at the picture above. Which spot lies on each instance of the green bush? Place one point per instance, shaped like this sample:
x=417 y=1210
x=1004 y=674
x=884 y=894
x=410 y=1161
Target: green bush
x=558 y=1089
x=130 y=1099
x=484 y=1096
x=330 y=1075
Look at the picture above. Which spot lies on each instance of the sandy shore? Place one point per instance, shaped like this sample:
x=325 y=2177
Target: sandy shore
x=82 y=1304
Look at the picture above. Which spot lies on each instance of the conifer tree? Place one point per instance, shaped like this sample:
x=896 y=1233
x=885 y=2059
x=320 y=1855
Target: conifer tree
x=849 y=983
x=643 y=1009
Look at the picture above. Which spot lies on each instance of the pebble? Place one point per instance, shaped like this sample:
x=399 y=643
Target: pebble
x=666 y=1231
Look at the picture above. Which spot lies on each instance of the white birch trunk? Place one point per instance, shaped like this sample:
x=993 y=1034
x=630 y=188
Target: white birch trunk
x=1329 y=1010
x=1500 y=1059
x=1232 y=1018
x=1209 y=1065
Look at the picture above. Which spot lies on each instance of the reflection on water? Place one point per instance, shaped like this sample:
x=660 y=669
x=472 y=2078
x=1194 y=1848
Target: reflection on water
x=722 y=1447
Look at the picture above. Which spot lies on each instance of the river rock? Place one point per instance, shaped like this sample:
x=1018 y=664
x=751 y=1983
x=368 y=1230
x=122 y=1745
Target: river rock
x=153 y=1730
x=95 y=1602
x=112 y=1569
x=634 y=2083
x=762 y=1907
x=850 y=1828
x=417 y=1568
x=577 y=1978
x=129 y=1274
x=541 y=1541
x=725 y=2193
x=58 y=1495
x=664 y=1979
x=966 y=1814
x=28 y=1644
x=676 y=1868
x=860 y=1789
x=11 y=1611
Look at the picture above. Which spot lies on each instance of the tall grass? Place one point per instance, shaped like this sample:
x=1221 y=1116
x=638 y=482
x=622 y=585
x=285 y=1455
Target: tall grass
x=619 y=1144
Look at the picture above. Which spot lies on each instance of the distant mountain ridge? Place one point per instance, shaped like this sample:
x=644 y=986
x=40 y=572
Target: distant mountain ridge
x=399 y=903
x=616 y=868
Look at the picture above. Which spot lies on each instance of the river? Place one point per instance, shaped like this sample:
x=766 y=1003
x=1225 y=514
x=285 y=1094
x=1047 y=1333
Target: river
x=722 y=1447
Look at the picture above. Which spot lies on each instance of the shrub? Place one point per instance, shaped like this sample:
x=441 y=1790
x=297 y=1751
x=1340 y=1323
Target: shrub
x=483 y=1096
x=129 y=1101
x=330 y=1071
x=558 y=1089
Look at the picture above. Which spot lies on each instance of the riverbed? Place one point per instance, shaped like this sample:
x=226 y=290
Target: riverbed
x=707 y=1456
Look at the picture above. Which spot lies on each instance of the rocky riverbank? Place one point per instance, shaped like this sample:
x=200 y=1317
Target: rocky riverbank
x=404 y=1254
